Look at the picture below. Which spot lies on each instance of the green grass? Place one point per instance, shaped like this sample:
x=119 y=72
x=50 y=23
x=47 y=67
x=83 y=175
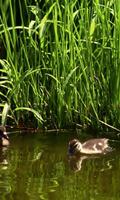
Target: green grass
x=62 y=62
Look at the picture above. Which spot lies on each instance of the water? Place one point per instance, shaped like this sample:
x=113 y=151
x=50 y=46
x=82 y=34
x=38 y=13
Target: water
x=37 y=167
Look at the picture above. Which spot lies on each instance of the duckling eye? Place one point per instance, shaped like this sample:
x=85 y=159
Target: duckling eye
x=75 y=145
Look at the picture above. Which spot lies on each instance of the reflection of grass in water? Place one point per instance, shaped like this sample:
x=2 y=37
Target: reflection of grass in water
x=49 y=177
x=3 y=159
x=95 y=179
x=53 y=185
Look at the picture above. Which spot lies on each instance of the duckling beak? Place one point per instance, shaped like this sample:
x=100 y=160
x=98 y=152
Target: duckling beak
x=70 y=151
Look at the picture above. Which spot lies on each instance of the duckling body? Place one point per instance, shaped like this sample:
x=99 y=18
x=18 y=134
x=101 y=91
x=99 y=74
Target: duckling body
x=4 y=139
x=92 y=146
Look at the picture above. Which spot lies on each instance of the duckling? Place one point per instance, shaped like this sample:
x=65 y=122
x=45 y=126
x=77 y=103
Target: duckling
x=92 y=146
x=4 y=139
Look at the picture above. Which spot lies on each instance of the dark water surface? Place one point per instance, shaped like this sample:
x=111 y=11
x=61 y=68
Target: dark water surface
x=36 y=167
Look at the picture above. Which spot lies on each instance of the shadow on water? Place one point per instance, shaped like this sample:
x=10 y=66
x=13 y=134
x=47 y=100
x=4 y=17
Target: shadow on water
x=37 y=167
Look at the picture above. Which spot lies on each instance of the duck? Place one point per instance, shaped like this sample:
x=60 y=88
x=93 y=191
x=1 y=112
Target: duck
x=91 y=146
x=4 y=139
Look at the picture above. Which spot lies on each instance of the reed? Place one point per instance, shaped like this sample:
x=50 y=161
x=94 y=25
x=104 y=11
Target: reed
x=62 y=62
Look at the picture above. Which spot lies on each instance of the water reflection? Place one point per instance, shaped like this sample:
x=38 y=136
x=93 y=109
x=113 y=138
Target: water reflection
x=5 y=186
x=37 y=167
x=3 y=158
x=77 y=162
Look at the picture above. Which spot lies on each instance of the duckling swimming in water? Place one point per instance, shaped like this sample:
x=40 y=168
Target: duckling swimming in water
x=92 y=146
x=4 y=139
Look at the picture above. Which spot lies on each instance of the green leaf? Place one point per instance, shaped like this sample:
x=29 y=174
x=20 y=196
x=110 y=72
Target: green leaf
x=37 y=115
x=92 y=27
x=4 y=114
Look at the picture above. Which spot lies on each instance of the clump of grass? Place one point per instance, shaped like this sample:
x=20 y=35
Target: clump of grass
x=62 y=63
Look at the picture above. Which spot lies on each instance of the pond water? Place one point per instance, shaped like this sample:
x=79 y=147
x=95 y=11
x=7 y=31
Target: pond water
x=36 y=166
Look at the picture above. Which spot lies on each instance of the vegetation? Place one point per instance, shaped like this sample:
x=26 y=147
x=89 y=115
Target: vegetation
x=60 y=62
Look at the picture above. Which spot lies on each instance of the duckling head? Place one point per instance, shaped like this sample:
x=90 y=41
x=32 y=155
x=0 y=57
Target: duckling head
x=74 y=147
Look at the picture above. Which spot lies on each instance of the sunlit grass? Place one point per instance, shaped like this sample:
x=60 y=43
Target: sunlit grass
x=62 y=62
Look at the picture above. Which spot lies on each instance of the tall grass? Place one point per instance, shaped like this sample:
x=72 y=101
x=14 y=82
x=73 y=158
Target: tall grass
x=62 y=62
